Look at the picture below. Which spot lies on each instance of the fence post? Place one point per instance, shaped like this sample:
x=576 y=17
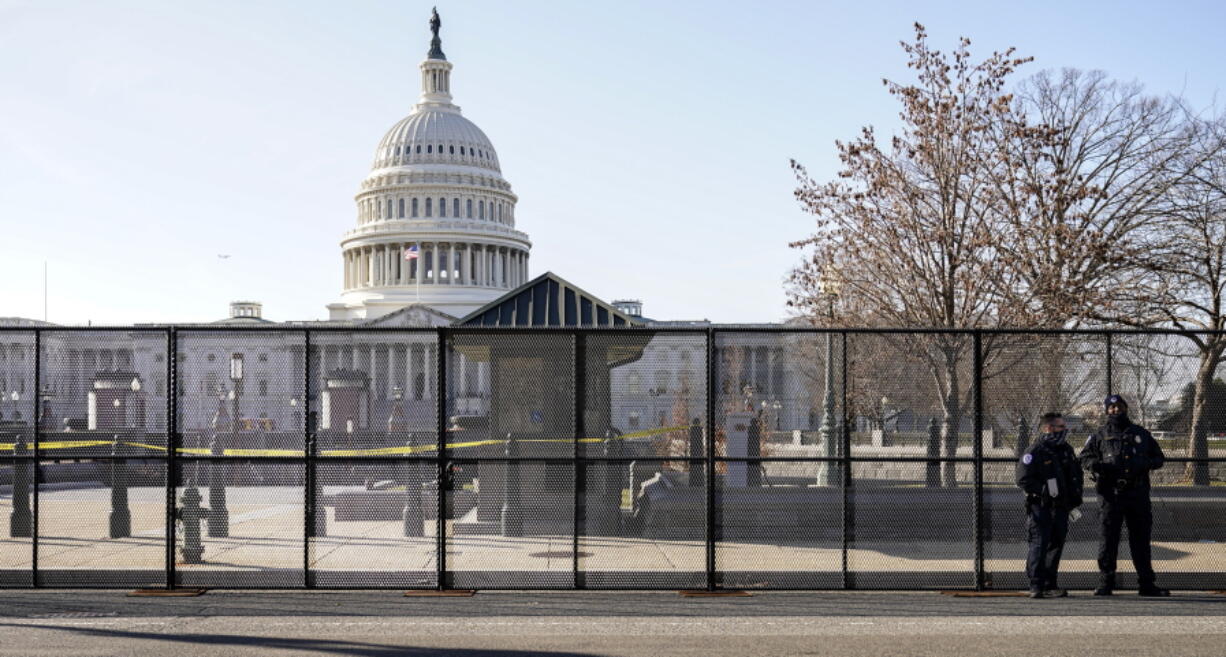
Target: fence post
x=846 y=480
x=121 y=515
x=441 y=465
x=172 y=448
x=578 y=464
x=712 y=390
x=980 y=517
x=20 y=519
x=35 y=468
x=1023 y=434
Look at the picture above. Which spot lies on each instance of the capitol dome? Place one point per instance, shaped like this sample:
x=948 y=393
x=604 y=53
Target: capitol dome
x=435 y=217
x=436 y=137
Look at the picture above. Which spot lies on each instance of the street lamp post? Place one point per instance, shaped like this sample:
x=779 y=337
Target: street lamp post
x=829 y=286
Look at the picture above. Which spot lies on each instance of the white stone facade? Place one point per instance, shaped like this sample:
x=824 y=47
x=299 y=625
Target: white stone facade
x=435 y=185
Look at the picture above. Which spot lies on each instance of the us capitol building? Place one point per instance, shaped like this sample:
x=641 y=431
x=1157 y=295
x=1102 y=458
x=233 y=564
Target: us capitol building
x=435 y=244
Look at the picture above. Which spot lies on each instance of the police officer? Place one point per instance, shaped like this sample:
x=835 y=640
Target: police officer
x=1119 y=457
x=1051 y=477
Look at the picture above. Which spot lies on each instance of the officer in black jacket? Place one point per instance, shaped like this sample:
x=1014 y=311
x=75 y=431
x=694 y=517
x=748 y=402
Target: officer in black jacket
x=1051 y=477
x=1119 y=457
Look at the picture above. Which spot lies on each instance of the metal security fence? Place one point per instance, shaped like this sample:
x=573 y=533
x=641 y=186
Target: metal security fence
x=711 y=457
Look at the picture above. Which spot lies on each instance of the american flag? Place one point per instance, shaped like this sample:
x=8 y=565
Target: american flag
x=410 y=253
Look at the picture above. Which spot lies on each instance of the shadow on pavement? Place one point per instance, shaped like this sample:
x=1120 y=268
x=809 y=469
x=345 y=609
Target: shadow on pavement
x=359 y=649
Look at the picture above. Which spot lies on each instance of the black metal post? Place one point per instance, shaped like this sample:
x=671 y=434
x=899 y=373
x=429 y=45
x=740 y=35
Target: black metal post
x=698 y=475
x=578 y=463
x=1110 y=365
x=172 y=448
x=35 y=466
x=311 y=523
x=20 y=519
x=510 y=520
x=712 y=391
x=980 y=516
x=411 y=516
x=610 y=513
x=846 y=480
x=219 y=515
x=932 y=471
x=441 y=579
x=121 y=515
x=753 y=450
x=1023 y=435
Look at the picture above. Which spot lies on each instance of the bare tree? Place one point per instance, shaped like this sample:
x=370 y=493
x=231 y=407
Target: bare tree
x=1088 y=162
x=911 y=226
x=1185 y=266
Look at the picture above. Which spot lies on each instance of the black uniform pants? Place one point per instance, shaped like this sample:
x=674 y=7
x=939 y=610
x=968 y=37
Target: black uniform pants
x=1131 y=507
x=1046 y=528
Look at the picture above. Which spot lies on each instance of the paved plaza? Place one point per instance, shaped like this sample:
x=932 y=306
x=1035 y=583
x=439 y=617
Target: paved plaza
x=266 y=548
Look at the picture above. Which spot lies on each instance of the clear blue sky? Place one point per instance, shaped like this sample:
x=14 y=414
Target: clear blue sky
x=648 y=142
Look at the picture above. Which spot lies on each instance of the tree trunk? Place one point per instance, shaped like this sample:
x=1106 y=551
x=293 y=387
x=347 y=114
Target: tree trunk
x=1198 y=445
x=951 y=407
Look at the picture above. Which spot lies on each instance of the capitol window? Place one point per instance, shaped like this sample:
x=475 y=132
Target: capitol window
x=414 y=208
x=429 y=207
x=451 y=149
x=455 y=206
x=419 y=148
x=461 y=150
x=480 y=209
x=401 y=214
x=442 y=207
x=388 y=215
x=429 y=148
x=470 y=208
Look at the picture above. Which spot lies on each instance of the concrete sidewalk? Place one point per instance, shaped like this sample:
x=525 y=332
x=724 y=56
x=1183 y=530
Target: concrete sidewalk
x=519 y=624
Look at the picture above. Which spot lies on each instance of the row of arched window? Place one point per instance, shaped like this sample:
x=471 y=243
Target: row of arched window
x=415 y=207
x=410 y=151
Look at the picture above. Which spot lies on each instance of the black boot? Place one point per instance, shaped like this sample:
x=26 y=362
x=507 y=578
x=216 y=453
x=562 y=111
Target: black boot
x=1151 y=590
x=1106 y=584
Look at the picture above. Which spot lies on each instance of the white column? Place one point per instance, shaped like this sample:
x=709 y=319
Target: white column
x=434 y=269
x=420 y=264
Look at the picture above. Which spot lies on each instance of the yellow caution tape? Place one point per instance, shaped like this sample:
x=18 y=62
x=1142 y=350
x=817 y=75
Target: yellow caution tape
x=378 y=451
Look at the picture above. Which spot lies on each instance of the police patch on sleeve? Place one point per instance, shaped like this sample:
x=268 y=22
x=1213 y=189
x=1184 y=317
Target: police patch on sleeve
x=1027 y=458
x=1138 y=440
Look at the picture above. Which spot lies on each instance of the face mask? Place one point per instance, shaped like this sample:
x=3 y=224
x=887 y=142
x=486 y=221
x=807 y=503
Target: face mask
x=1056 y=436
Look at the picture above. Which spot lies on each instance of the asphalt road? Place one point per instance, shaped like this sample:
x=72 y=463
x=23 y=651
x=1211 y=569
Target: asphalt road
x=564 y=624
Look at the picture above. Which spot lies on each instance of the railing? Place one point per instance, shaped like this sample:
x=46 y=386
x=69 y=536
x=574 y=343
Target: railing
x=602 y=458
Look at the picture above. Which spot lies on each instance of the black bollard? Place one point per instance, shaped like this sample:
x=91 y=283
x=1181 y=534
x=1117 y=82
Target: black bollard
x=412 y=516
x=510 y=521
x=932 y=477
x=219 y=516
x=753 y=449
x=121 y=515
x=21 y=523
x=319 y=514
x=191 y=514
x=698 y=476
x=608 y=519
x=1023 y=435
